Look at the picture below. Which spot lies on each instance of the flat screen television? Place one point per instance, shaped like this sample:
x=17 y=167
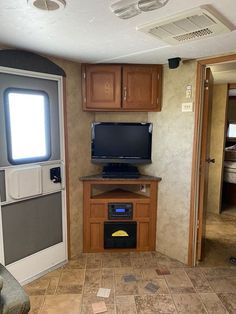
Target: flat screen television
x=122 y=143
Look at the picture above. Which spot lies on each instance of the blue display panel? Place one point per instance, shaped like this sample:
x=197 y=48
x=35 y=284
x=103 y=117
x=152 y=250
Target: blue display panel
x=120 y=210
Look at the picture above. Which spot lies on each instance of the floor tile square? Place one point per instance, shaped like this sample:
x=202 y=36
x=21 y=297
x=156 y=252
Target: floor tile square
x=189 y=303
x=198 y=279
x=179 y=282
x=229 y=301
x=223 y=285
x=87 y=309
x=125 y=308
x=155 y=304
x=61 y=304
x=212 y=303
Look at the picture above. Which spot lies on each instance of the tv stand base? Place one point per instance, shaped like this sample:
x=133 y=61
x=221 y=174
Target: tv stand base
x=120 y=171
x=100 y=193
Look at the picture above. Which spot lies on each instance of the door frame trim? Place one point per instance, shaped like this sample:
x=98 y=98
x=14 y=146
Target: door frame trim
x=194 y=198
x=63 y=150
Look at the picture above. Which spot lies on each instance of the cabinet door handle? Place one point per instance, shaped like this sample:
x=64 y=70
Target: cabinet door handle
x=125 y=93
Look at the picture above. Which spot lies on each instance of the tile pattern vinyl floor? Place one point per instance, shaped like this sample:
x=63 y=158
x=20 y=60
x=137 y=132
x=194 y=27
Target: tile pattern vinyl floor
x=72 y=289
x=220 y=238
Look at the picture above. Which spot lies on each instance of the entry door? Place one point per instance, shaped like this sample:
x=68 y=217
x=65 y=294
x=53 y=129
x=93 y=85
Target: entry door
x=205 y=160
x=32 y=189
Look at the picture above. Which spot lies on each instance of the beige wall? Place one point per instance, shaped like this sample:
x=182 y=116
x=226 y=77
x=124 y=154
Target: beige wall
x=217 y=139
x=78 y=128
x=78 y=131
x=121 y=117
x=172 y=160
x=172 y=155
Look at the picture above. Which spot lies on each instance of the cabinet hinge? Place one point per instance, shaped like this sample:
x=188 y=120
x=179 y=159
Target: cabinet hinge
x=157 y=100
x=206 y=84
x=198 y=224
x=158 y=76
x=84 y=75
x=85 y=99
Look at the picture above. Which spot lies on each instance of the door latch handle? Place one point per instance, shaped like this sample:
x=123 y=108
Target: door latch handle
x=210 y=160
x=55 y=175
x=56 y=179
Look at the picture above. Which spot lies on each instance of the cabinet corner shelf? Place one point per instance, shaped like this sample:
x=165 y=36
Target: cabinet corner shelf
x=118 y=194
x=95 y=210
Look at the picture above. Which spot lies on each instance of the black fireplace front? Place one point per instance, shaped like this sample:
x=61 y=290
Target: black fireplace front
x=120 y=234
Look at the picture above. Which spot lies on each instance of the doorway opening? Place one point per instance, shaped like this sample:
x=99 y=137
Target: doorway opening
x=212 y=222
x=220 y=221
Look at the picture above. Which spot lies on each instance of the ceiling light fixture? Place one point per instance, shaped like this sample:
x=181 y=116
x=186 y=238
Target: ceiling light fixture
x=149 y=5
x=125 y=9
x=47 y=5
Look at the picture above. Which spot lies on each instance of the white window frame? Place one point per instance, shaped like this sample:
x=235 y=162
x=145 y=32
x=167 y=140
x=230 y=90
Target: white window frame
x=30 y=159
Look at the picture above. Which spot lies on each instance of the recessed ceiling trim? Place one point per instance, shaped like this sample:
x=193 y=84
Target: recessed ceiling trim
x=187 y=26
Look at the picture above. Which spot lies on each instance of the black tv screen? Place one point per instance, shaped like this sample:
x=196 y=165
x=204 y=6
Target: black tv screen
x=121 y=142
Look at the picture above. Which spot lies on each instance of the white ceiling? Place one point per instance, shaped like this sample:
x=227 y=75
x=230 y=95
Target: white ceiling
x=87 y=31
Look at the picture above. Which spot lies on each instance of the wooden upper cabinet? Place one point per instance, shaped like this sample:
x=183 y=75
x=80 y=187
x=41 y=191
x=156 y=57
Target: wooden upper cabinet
x=142 y=87
x=121 y=87
x=101 y=87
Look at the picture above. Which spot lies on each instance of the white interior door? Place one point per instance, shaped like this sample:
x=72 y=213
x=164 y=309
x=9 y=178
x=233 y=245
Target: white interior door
x=32 y=186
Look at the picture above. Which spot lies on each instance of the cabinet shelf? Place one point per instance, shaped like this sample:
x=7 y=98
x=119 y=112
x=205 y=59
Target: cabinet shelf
x=119 y=194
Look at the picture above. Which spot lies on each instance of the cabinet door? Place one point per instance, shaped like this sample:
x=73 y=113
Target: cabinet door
x=101 y=87
x=142 y=87
x=144 y=236
x=96 y=237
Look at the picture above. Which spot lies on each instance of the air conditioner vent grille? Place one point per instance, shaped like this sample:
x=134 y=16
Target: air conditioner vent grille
x=190 y=25
x=193 y=35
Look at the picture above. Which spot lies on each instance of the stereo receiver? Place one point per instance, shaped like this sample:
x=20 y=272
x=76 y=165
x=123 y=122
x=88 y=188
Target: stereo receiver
x=120 y=211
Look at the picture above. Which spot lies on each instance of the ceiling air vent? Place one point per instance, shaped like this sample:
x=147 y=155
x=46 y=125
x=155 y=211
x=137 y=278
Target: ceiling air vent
x=47 y=5
x=190 y=25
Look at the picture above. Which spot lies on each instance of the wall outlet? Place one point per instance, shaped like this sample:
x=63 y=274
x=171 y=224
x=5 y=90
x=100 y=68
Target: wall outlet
x=143 y=188
x=187 y=107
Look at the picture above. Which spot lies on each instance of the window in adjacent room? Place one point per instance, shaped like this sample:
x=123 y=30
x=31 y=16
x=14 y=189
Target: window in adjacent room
x=231 y=130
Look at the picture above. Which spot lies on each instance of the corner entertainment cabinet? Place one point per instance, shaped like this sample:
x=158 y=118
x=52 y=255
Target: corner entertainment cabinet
x=100 y=194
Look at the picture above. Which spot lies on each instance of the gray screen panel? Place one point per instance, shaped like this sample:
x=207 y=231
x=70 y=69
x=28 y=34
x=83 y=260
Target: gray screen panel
x=2 y=186
x=51 y=88
x=31 y=226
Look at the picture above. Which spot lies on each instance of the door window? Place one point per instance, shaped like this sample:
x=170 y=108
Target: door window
x=27 y=125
